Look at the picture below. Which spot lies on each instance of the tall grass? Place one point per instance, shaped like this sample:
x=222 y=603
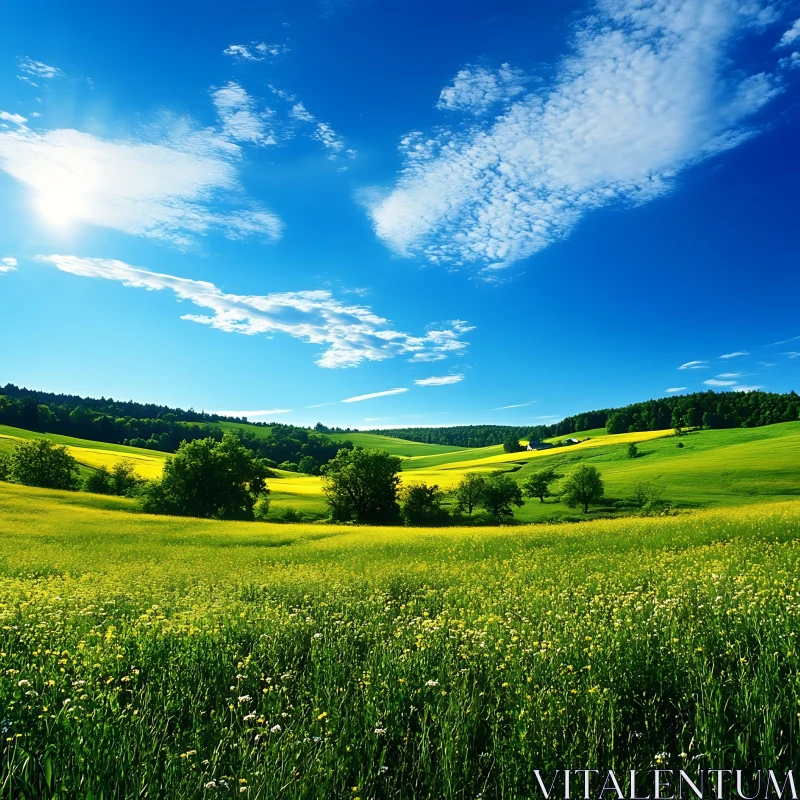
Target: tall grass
x=166 y=658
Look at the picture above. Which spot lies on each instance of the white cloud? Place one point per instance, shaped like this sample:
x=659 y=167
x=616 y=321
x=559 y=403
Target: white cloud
x=249 y=414
x=715 y=382
x=736 y=354
x=8 y=264
x=791 y=354
x=477 y=89
x=255 y=52
x=323 y=132
x=784 y=341
x=765 y=364
x=694 y=365
x=38 y=69
x=790 y=36
x=16 y=119
x=730 y=375
x=516 y=405
x=747 y=388
x=361 y=397
x=445 y=380
x=241 y=121
x=647 y=91
x=349 y=334
x=676 y=389
x=169 y=187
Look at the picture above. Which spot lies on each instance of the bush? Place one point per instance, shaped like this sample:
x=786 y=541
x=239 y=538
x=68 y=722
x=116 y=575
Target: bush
x=288 y=466
x=422 y=505
x=40 y=462
x=633 y=450
x=512 y=445
x=261 y=509
x=308 y=465
x=5 y=467
x=124 y=478
x=98 y=482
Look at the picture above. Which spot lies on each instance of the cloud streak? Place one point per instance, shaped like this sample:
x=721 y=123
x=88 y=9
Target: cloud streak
x=736 y=354
x=347 y=334
x=694 y=365
x=359 y=398
x=647 y=91
x=8 y=264
x=676 y=389
x=249 y=414
x=445 y=380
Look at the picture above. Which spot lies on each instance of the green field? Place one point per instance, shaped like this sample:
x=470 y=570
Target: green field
x=155 y=656
x=714 y=468
x=397 y=447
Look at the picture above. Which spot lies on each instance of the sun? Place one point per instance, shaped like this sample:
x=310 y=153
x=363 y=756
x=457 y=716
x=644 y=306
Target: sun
x=60 y=200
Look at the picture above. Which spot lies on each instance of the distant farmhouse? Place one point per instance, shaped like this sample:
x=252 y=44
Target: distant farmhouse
x=546 y=446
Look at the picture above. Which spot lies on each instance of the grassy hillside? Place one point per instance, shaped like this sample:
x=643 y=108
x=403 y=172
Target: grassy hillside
x=172 y=658
x=714 y=468
x=397 y=447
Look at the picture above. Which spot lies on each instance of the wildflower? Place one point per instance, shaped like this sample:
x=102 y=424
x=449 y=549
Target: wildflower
x=379 y=731
x=317 y=636
x=249 y=717
x=245 y=698
x=23 y=683
x=432 y=683
x=275 y=729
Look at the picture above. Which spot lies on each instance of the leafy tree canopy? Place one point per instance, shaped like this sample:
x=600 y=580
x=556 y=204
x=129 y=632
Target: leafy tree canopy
x=40 y=462
x=583 y=486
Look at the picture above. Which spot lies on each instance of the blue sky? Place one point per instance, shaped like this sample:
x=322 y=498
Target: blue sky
x=381 y=214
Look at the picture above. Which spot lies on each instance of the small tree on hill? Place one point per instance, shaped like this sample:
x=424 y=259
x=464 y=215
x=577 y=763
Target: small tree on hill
x=206 y=478
x=40 y=462
x=538 y=484
x=500 y=492
x=469 y=492
x=583 y=486
x=5 y=467
x=633 y=450
x=363 y=485
x=422 y=505
x=511 y=445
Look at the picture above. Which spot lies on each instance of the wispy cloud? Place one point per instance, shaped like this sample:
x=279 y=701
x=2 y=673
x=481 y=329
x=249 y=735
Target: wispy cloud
x=239 y=117
x=322 y=132
x=39 y=69
x=515 y=405
x=736 y=354
x=765 y=364
x=676 y=389
x=648 y=90
x=15 y=119
x=694 y=365
x=255 y=51
x=360 y=397
x=715 y=382
x=8 y=264
x=730 y=375
x=791 y=354
x=445 y=380
x=249 y=414
x=790 y=36
x=349 y=334
x=784 y=341
x=477 y=89
x=740 y=388
x=173 y=184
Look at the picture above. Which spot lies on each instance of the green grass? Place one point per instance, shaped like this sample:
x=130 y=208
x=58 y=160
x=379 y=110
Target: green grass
x=397 y=447
x=153 y=656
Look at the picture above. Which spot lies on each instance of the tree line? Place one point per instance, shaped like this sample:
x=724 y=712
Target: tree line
x=701 y=409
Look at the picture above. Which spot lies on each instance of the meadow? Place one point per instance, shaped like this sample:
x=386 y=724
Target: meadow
x=175 y=658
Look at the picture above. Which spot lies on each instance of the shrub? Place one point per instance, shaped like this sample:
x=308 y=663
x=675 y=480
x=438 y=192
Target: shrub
x=633 y=450
x=422 y=505
x=124 y=478
x=40 y=462
x=5 y=467
x=98 y=481
x=261 y=509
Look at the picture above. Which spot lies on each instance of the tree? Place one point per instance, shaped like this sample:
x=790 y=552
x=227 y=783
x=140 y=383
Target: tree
x=583 y=486
x=362 y=485
x=512 y=445
x=422 y=505
x=649 y=497
x=500 y=492
x=206 y=478
x=98 y=482
x=633 y=450
x=123 y=477
x=40 y=462
x=5 y=467
x=308 y=465
x=538 y=484
x=469 y=492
